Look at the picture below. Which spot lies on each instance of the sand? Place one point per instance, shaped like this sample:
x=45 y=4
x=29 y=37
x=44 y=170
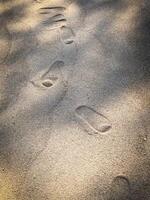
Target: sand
x=74 y=100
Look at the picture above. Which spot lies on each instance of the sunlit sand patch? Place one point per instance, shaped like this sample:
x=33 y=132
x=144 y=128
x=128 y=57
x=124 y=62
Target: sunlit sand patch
x=54 y=2
x=74 y=16
x=8 y=184
x=72 y=174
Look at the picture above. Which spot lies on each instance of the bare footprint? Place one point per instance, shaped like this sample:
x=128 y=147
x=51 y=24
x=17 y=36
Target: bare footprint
x=92 y=121
x=120 y=189
x=5 y=43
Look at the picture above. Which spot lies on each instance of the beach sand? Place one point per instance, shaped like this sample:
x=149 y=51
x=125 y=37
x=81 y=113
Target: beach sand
x=74 y=100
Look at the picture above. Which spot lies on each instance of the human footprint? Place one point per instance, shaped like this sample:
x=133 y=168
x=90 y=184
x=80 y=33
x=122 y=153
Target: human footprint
x=92 y=121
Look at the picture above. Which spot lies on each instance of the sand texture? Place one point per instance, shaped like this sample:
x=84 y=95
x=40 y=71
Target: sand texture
x=74 y=100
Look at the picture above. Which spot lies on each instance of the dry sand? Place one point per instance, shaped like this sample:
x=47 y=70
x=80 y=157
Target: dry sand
x=74 y=100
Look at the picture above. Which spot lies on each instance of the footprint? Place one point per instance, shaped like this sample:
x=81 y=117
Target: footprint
x=120 y=189
x=51 y=77
x=92 y=121
x=69 y=47
x=67 y=35
x=5 y=44
x=52 y=17
x=41 y=94
x=57 y=20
